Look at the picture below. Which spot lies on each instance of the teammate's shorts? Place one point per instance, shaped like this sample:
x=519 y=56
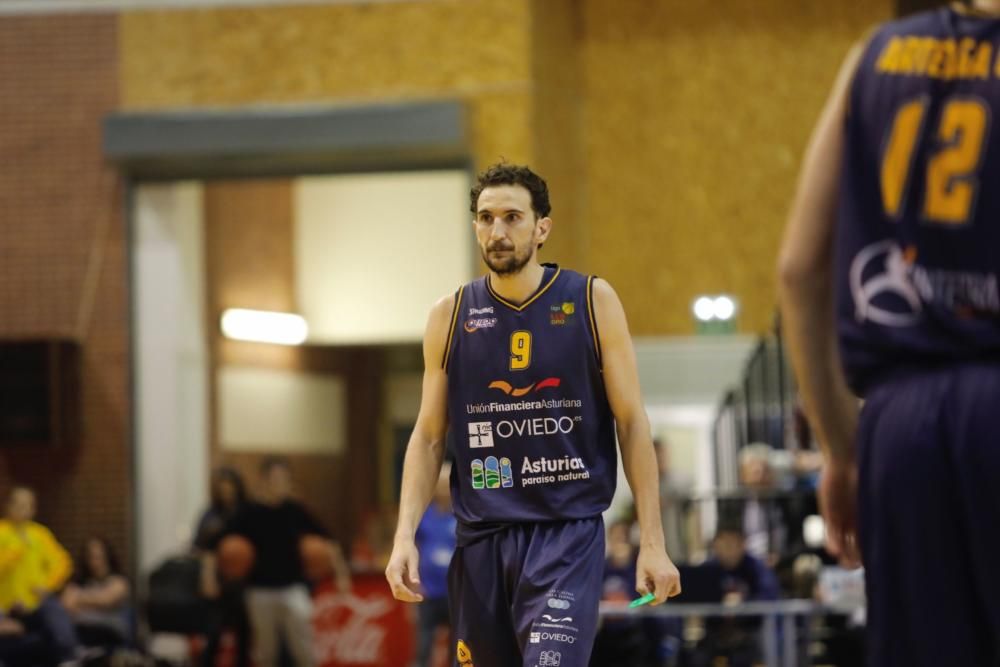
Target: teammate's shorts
x=929 y=517
x=527 y=595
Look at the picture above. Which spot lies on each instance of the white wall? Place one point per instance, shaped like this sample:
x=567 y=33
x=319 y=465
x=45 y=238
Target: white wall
x=171 y=371
x=281 y=411
x=690 y=370
x=373 y=252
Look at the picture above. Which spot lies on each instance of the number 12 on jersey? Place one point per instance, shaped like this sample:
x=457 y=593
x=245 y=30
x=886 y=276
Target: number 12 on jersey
x=520 y=350
x=952 y=179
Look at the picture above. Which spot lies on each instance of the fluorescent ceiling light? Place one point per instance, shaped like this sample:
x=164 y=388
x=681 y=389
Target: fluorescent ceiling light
x=704 y=308
x=723 y=308
x=719 y=308
x=262 y=326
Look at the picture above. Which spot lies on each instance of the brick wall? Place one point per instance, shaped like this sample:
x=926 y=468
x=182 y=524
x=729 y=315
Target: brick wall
x=63 y=258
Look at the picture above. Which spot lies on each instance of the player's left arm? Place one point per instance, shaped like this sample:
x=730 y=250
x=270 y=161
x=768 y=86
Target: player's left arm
x=655 y=573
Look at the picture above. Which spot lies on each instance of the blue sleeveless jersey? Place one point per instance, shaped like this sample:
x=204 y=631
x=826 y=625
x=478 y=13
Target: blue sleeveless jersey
x=530 y=425
x=918 y=234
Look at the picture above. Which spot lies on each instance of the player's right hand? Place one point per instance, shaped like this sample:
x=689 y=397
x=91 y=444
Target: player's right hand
x=402 y=573
x=838 y=491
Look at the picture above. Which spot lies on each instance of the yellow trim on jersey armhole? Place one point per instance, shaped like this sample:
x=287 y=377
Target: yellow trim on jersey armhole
x=593 y=319
x=451 y=329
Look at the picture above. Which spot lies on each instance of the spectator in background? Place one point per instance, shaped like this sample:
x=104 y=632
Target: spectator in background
x=33 y=567
x=764 y=519
x=435 y=541
x=277 y=597
x=98 y=597
x=742 y=578
x=228 y=496
x=638 y=642
x=17 y=647
x=619 y=640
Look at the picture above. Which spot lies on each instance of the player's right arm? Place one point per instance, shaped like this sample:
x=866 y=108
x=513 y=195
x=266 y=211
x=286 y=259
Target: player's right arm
x=424 y=455
x=805 y=269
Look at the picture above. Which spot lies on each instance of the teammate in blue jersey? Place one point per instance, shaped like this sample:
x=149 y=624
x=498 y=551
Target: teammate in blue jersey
x=531 y=371
x=893 y=251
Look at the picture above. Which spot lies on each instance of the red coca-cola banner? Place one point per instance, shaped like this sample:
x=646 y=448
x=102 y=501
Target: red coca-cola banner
x=365 y=627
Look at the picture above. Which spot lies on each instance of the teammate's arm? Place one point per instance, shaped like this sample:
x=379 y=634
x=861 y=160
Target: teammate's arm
x=655 y=573
x=805 y=269
x=424 y=455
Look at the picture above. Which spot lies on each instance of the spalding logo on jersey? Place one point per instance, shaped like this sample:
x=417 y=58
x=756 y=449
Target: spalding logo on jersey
x=463 y=654
x=881 y=286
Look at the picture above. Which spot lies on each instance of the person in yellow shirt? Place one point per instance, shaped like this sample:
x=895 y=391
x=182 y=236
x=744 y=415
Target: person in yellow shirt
x=33 y=567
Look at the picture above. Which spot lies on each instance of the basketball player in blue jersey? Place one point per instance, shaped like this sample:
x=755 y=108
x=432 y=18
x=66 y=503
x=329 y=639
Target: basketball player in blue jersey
x=893 y=250
x=531 y=370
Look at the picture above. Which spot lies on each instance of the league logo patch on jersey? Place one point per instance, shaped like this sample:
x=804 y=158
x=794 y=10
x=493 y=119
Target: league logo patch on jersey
x=562 y=314
x=463 y=654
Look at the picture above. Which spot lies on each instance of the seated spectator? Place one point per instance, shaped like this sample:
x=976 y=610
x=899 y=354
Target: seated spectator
x=743 y=578
x=98 y=598
x=764 y=523
x=17 y=647
x=640 y=642
x=619 y=568
x=33 y=567
x=228 y=613
x=619 y=639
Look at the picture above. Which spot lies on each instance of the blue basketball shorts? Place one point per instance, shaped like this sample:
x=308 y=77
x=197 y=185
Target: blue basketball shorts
x=929 y=517
x=527 y=595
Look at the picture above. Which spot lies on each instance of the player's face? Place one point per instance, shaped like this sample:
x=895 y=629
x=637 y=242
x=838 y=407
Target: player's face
x=506 y=228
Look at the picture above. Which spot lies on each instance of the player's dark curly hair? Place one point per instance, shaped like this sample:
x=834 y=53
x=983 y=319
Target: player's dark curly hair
x=503 y=173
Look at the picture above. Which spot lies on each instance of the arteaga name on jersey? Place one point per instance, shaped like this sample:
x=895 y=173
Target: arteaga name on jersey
x=946 y=59
x=522 y=406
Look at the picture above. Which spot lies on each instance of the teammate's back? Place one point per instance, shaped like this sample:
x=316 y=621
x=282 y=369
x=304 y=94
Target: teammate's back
x=901 y=174
x=918 y=247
